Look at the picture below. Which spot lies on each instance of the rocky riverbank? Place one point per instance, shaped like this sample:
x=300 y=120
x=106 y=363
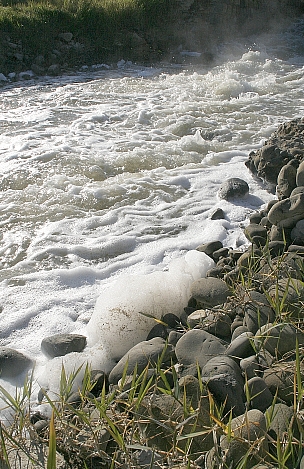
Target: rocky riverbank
x=217 y=387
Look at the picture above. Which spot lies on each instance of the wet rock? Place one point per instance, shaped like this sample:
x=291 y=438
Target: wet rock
x=13 y=363
x=218 y=214
x=100 y=381
x=139 y=356
x=159 y=330
x=209 y=292
x=54 y=70
x=257 y=234
x=255 y=218
x=282 y=147
x=209 y=248
x=61 y=344
x=66 y=37
x=196 y=347
x=233 y=188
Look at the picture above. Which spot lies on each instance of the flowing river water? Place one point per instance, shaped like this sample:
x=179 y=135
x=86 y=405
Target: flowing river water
x=114 y=173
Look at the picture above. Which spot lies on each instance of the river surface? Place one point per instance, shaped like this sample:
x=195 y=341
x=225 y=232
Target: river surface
x=114 y=173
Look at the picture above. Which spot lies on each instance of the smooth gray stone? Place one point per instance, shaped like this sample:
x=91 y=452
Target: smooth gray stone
x=13 y=363
x=209 y=248
x=278 y=339
x=233 y=188
x=257 y=311
x=224 y=380
x=209 y=292
x=260 y=395
x=197 y=347
x=218 y=214
x=61 y=344
x=141 y=355
x=241 y=346
x=286 y=213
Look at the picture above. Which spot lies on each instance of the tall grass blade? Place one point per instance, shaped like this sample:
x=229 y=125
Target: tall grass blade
x=51 y=460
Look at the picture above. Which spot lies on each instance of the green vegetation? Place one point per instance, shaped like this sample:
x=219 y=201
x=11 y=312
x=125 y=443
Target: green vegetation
x=102 y=28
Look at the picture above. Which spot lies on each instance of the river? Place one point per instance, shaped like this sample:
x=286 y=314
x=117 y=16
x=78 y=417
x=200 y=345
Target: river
x=114 y=172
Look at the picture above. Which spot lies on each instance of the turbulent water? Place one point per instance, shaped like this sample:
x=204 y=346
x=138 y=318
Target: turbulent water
x=115 y=172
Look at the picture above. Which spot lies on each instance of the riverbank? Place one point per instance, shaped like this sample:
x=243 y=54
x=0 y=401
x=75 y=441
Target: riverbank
x=222 y=384
x=51 y=39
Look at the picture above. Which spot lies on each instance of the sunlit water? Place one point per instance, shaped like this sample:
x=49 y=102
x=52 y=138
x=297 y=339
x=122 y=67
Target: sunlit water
x=113 y=173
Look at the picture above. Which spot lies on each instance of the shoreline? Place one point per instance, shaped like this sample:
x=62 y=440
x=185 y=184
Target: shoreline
x=244 y=317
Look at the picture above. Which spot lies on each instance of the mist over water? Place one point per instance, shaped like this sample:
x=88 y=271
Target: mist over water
x=116 y=172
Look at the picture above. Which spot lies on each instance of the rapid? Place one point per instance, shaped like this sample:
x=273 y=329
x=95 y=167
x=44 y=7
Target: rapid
x=108 y=180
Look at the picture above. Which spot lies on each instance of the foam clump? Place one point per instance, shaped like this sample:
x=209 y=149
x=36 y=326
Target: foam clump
x=124 y=313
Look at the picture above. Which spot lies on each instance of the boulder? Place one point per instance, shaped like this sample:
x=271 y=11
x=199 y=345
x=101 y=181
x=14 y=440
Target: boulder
x=209 y=292
x=257 y=311
x=300 y=175
x=59 y=345
x=196 y=347
x=224 y=380
x=141 y=355
x=260 y=396
x=209 y=248
x=233 y=188
x=241 y=346
x=257 y=234
x=13 y=363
